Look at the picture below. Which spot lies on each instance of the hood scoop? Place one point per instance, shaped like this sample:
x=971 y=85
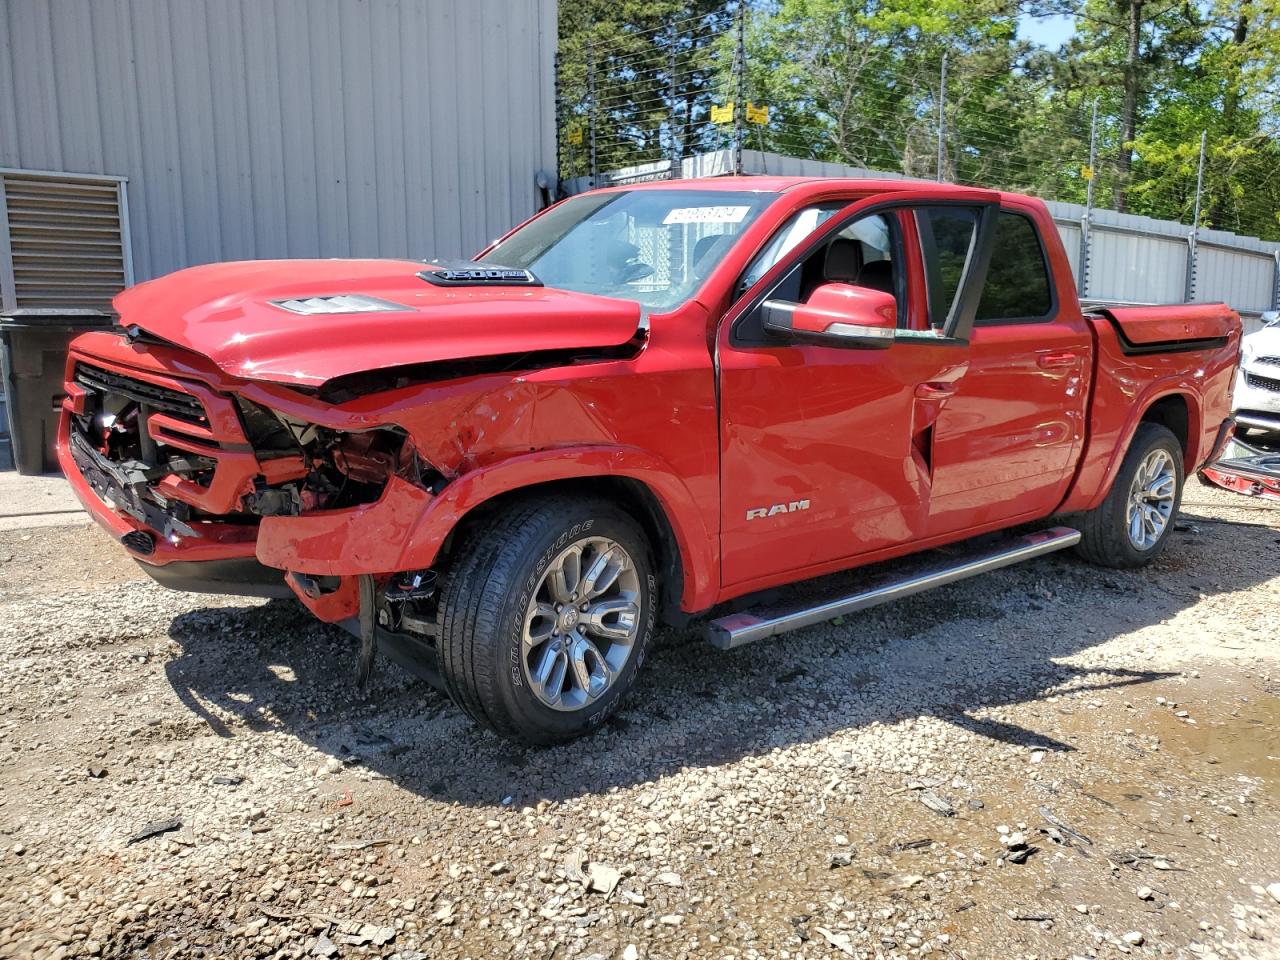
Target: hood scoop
x=339 y=303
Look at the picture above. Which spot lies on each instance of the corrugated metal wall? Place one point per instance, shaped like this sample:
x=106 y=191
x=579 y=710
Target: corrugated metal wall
x=288 y=128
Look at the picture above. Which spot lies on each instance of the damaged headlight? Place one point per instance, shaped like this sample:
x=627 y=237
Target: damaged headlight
x=310 y=467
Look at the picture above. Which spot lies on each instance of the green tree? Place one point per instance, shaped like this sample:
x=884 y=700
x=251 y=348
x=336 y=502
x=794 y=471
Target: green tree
x=858 y=81
x=653 y=71
x=1124 y=53
x=1163 y=73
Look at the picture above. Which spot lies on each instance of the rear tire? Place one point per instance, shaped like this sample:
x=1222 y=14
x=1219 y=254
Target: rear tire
x=546 y=616
x=1131 y=527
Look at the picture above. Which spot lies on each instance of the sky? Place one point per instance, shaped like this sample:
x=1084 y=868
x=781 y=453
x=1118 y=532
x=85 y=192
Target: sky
x=1051 y=32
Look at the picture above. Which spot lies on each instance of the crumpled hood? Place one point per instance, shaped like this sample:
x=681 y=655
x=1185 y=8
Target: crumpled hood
x=224 y=311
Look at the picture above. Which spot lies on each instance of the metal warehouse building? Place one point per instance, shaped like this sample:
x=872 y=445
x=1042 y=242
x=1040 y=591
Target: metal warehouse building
x=270 y=128
x=141 y=136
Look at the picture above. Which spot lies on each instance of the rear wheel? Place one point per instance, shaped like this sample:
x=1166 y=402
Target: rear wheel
x=545 y=619
x=1131 y=527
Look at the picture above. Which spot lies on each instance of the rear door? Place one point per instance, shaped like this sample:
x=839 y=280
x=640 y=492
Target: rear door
x=1006 y=439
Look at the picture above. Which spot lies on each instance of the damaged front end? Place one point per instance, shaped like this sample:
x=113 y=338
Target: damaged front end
x=185 y=461
x=372 y=472
x=310 y=467
x=290 y=428
x=212 y=491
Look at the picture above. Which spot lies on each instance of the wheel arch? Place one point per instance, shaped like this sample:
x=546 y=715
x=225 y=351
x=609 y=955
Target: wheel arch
x=632 y=495
x=1177 y=410
x=658 y=500
x=1172 y=411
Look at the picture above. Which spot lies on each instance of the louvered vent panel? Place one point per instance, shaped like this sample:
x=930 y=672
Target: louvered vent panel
x=65 y=240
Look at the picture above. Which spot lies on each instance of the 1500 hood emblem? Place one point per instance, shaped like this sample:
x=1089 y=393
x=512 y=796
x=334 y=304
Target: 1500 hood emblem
x=467 y=273
x=759 y=513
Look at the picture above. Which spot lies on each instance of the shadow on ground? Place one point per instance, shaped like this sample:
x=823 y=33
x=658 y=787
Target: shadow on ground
x=949 y=654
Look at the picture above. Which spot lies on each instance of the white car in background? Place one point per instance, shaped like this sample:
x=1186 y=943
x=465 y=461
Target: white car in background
x=1256 y=399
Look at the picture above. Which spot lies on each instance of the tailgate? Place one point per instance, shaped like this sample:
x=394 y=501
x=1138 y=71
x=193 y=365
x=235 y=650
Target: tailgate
x=1183 y=326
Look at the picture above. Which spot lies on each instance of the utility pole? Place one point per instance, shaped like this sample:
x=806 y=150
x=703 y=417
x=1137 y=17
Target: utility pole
x=942 y=117
x=591 y=105
x=740 y=99
x=1189 y=289
x=1086 y=222
x=673 y=147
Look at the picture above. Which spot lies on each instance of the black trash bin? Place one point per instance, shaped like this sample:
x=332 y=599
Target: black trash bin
x=34 y=359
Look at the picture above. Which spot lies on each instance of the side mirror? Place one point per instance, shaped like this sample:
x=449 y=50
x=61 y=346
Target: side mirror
x=836 y=315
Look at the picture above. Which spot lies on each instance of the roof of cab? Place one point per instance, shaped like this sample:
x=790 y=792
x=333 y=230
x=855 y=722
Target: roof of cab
x=761 y=184
x=774 y=184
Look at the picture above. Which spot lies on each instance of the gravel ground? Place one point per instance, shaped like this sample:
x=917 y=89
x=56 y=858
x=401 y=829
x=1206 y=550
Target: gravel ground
x=1052 y=761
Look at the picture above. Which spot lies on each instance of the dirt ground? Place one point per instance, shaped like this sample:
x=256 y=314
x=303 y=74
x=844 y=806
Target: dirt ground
x=1053 y=761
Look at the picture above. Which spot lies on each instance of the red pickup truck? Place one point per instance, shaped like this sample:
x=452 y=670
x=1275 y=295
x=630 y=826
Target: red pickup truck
x=641 y=404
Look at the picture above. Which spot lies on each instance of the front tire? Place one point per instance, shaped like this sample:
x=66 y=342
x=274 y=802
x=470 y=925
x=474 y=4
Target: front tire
x=546 y=616
x=1131 y=527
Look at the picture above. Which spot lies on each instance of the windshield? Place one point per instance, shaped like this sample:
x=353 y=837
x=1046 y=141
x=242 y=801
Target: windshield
x=651 y=246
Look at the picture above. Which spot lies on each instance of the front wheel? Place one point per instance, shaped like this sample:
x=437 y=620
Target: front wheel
x=545 y=618
x=1131 y=527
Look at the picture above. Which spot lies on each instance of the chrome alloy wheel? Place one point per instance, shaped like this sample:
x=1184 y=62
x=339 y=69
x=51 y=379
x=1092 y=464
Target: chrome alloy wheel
x=582 y=624
x=1151 y=498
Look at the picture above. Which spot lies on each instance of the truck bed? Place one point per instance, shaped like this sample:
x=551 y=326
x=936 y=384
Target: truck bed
x=1180 y=357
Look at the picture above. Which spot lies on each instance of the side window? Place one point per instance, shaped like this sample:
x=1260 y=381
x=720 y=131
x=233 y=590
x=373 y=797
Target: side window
x=798 y=226
x=946 y=242
x=862 y=254
x=1017 y=285
x=866 y=252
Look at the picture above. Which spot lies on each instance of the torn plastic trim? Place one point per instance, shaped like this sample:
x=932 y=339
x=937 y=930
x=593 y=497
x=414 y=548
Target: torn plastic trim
x=1246 y=469
x=1172 y=328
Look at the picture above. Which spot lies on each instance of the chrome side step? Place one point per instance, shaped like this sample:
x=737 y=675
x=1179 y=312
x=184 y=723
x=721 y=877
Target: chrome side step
x=738 y=629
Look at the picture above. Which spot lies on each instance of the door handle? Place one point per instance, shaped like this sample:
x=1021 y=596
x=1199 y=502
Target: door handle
x=935 y=390
x=1047 y=361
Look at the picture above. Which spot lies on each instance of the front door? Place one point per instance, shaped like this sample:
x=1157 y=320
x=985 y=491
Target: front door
x=825 y=450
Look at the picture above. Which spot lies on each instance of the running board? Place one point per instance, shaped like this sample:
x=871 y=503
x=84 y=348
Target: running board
x=738 y=629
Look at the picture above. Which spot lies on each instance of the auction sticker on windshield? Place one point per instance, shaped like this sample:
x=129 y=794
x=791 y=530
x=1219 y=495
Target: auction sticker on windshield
x=706 y=215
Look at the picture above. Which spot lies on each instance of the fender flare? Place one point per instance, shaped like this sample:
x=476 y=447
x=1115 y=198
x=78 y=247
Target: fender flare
x=694 y=541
